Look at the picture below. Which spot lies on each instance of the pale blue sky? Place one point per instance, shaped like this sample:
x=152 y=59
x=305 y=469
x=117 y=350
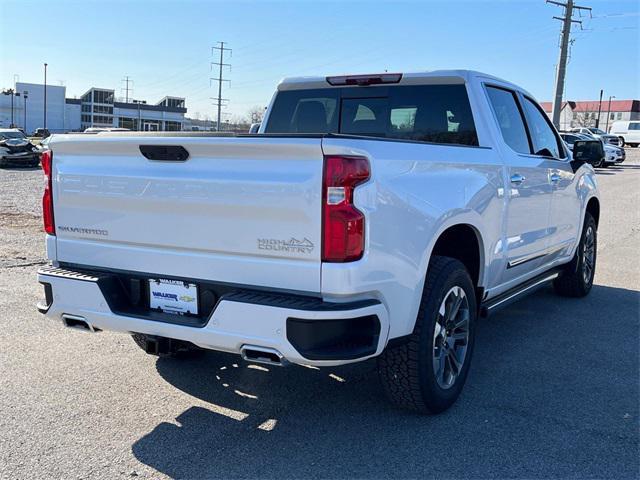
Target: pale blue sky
x=165 y=46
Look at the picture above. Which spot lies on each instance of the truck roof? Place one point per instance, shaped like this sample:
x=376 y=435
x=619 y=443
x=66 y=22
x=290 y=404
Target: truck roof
x=408 y=78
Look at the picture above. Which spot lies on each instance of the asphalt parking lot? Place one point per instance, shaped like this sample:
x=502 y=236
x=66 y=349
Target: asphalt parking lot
x=553 y=389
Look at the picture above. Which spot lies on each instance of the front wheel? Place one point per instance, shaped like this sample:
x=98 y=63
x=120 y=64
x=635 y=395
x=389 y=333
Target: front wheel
x=426 y=373
x=576 y=278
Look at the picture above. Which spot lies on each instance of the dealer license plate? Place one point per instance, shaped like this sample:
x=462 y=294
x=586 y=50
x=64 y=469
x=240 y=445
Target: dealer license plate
x=173 y=296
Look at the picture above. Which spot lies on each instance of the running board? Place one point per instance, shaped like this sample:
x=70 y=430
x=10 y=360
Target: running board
x=516 y=293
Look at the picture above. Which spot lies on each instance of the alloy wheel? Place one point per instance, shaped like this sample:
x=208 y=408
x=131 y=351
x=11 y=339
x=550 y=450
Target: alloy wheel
x=451 y=337
x=588 y=255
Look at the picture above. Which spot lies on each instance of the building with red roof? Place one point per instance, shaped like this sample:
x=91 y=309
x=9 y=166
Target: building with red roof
x=585 y=113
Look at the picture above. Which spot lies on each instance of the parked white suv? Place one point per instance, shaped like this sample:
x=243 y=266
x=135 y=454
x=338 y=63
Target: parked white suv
x=628 y=133
x=372 y=216
x=597 y=133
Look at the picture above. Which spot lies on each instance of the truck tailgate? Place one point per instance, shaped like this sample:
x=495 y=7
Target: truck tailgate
x=238 y=210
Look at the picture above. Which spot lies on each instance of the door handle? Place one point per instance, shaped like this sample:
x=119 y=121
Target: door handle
x=517 y=179
x=555 y=178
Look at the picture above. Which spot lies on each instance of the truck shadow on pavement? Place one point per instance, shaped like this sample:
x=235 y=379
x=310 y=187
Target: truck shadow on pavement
x=552 y=392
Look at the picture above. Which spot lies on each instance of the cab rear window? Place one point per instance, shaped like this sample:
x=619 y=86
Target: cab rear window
x=427 y=113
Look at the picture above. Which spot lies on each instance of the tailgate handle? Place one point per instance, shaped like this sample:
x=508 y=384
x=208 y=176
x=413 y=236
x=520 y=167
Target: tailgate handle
x=165 y=153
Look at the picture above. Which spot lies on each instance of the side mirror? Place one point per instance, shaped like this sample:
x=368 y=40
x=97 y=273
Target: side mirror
x=588 y=151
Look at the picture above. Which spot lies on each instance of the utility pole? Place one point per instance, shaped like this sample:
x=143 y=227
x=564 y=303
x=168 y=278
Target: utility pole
x=561 y=71
x=609 y=112
x=599 y=109
x=126 y=89
x=45 y=96
x=220 y=65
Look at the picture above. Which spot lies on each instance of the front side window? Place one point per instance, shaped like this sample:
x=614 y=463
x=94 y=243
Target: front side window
x=634 y=126
x=509 y=118
x=426 y=113
x=543 y=137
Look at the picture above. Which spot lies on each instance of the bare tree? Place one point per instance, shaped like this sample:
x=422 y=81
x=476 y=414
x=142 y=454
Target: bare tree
x=256 y=114
x=584 y=119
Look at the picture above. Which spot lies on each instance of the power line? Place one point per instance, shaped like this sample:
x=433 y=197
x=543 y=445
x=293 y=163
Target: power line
x=567 y=20
x=126 y=89
x=220 y=64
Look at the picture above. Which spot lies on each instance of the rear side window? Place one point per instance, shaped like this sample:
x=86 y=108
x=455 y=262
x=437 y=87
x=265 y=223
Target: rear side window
x=304 y=111
x=545 y=141
x=509 y=118
x=427 y=113
x=634 y=126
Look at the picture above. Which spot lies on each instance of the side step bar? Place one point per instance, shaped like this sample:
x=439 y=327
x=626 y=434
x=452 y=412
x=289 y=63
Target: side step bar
x=516 y=293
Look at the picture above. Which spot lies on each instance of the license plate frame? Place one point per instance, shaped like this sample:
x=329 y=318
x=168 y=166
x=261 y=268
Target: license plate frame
x=173 y=296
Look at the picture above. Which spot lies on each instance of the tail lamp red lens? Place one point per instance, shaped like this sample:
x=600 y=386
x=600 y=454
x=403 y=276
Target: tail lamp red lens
x=46 y=160
x=342 y=223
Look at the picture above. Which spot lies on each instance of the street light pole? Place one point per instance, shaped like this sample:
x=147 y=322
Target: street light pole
x=25 y=95
x=139 y=103
x=12 y=92
x=45 y=96
x=609 y=112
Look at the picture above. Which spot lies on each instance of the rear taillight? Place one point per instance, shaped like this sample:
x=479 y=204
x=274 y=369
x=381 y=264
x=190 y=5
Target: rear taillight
x=342 y=222
x=46 y=159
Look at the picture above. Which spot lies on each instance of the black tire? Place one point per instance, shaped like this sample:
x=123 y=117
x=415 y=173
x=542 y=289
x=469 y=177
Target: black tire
x=408 y=371
x=166 y=347
x=576 y=278
x=621 y=142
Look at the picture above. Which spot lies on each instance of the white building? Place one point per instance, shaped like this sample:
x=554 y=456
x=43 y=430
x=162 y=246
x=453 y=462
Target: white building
x=96 y=108
x=100 y=109
x=29 y=114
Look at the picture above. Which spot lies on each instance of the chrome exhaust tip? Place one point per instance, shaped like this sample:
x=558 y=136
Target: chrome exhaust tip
x=264 y=355
x=78 y=323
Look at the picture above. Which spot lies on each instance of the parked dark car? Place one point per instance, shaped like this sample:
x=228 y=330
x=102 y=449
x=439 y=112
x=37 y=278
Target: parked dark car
x=42 y=133
x=17 y=150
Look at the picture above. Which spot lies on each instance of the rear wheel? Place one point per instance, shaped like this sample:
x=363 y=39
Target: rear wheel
x=621 y=142
x=576 y=279
x=427 y=372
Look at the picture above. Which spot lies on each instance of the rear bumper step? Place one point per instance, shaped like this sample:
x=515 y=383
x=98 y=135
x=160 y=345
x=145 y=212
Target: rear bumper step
x=262 y=326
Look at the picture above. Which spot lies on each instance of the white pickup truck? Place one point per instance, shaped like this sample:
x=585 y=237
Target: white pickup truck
x=371 y=216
